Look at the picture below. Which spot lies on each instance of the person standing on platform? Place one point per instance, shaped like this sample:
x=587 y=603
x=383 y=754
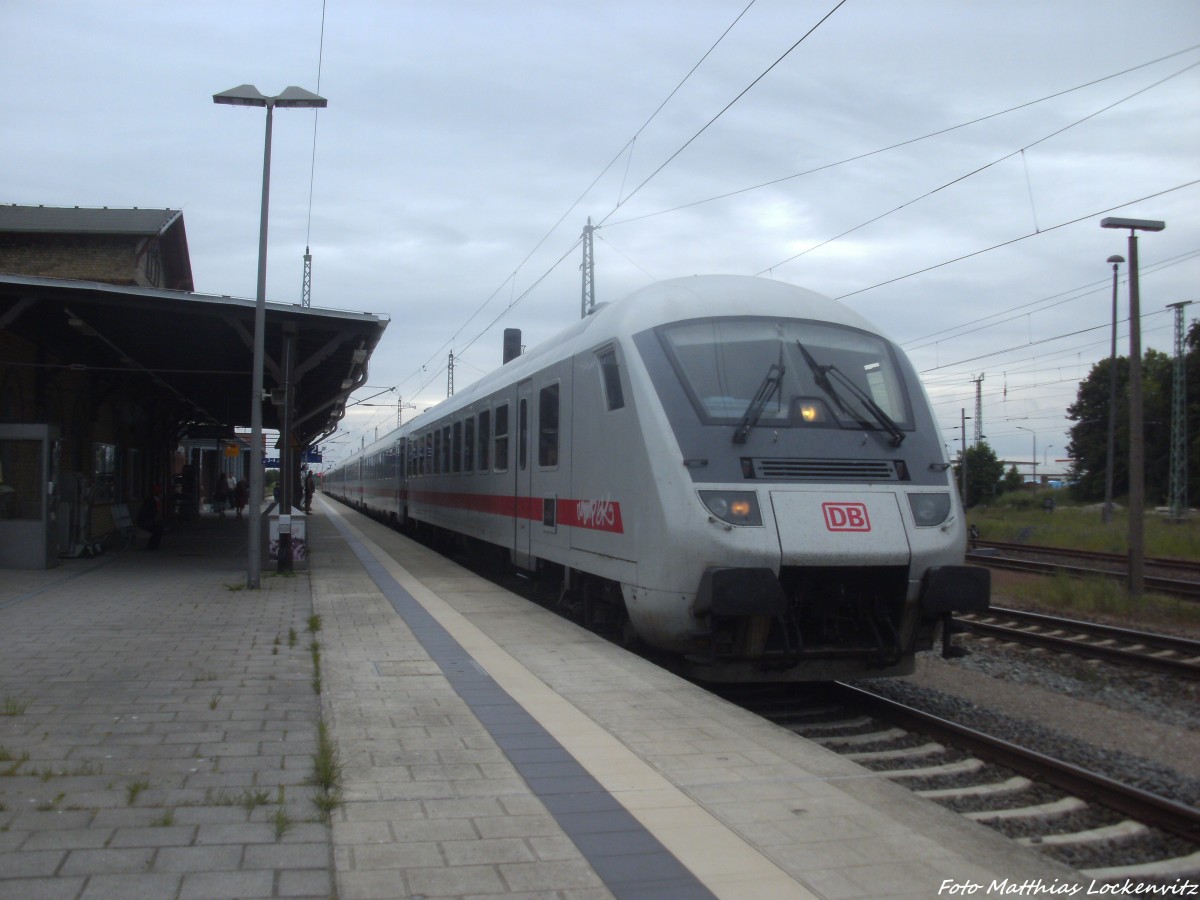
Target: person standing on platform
x=241 y=493
x=310 y=485
x=150 y=517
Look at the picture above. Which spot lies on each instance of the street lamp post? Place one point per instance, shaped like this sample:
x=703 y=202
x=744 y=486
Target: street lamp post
x=1045 y=455
x=1137 y=440
x=1031 y=431
x=1109 y=462
x=297 y=98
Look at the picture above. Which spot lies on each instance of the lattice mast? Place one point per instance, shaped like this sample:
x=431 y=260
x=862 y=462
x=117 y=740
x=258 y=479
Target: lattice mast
x=450 y=376
x=588 y=268
x=1177 y=492
x=306 y=283
x=978 y=411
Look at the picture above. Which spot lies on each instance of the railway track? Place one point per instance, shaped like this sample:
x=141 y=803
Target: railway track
x=1163 y=653
x=1106 y=830
x=1176 y=577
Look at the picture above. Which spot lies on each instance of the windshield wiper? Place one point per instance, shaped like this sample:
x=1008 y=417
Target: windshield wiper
x=821 y=376
x=770 y=384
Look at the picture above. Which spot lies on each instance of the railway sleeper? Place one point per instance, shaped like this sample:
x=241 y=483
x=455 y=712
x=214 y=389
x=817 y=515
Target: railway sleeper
x=1126 y=828
x=1041 y=810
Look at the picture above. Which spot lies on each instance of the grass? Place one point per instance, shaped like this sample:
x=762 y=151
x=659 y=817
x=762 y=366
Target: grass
x=1021 y=518
x=327 y=773
x=14 y=706
x=15 y=761
x=315 y=650
x=133 y=789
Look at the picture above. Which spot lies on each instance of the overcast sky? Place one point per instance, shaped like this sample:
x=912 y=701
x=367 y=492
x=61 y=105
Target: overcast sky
x=466 y=144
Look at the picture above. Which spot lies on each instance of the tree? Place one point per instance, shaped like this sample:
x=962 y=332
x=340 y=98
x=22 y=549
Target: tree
x=1088 y=446
x=984 y=472
x=1012 y=480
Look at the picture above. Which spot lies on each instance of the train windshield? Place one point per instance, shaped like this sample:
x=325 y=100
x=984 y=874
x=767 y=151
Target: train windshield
x=797 y=373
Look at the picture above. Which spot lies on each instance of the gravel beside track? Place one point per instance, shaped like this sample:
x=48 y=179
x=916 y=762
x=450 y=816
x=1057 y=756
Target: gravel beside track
x=1144 y=729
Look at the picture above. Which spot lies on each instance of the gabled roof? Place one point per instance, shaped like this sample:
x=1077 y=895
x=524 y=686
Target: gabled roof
x=164 y=224
x=83 y=220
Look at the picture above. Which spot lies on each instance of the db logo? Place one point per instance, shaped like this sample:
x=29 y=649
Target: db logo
x=846 y=516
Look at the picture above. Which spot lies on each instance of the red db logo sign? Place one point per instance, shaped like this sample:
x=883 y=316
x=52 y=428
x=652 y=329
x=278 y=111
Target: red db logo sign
x=846 y=516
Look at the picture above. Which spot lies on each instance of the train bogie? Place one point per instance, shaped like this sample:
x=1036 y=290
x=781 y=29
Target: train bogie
x=743 y=473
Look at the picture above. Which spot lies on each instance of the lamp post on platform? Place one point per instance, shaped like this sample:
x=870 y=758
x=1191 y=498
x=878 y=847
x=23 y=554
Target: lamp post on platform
x=1137 y=440
x=1106 y=515
x=295 y=98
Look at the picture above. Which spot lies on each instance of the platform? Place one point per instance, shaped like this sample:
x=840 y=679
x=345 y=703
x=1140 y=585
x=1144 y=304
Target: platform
x=488 y=747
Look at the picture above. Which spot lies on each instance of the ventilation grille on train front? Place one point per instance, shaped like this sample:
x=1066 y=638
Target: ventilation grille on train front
x=823 y=469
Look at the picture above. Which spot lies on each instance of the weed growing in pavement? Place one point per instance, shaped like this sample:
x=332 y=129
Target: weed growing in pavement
x=314 y=650
x=282 y=822
x=133 y=789
x=165 y=820
x=235 y=587
x=251 y=800
x=248 y=799
x=214 y=700
x=327 y=773
x=49 y=805
x=314 y=624
x=15 y=763
x=292 y=637
x=14 y=706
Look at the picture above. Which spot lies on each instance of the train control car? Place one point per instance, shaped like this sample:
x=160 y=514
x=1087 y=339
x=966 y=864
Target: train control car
x=738 y=472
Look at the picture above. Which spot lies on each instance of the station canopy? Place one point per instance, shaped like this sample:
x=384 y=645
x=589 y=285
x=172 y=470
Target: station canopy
x=197 y=348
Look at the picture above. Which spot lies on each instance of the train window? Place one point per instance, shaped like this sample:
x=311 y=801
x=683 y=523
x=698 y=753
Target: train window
x=502 y=437
x=469 y=444
x=523 y=434
x=456 y=453
x=427 y=462
x=611 y=376
x=724 y=363
x=446 y=449
x=548 y=426
x=485 y=438
x=437 y=452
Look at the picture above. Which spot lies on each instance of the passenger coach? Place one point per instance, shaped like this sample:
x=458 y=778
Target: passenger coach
x=734 y=470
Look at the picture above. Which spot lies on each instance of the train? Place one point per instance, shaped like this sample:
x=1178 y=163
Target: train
x=739 y=473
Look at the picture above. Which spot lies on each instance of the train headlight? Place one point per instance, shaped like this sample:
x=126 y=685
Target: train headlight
x=929 y=509
x=734 y=507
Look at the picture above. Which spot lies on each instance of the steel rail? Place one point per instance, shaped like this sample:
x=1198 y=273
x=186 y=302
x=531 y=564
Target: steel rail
x=1189 y=590
x=1187 y=664
x=1165 y=562
x=1144 y=806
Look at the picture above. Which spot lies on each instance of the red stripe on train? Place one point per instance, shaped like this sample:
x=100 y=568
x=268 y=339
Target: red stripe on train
x=595 y=515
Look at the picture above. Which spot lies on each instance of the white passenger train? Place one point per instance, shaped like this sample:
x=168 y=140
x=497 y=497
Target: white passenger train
x=739 y=472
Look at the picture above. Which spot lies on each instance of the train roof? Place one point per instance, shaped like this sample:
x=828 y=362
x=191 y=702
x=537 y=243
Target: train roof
x=674 y=300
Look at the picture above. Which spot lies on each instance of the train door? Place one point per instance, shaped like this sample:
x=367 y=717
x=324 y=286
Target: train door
x=522 y=507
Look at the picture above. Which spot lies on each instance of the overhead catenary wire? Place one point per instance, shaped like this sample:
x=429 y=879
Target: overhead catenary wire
x=725 y=108
x=511 y=279
x=905 y=143
x=1020 y=151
